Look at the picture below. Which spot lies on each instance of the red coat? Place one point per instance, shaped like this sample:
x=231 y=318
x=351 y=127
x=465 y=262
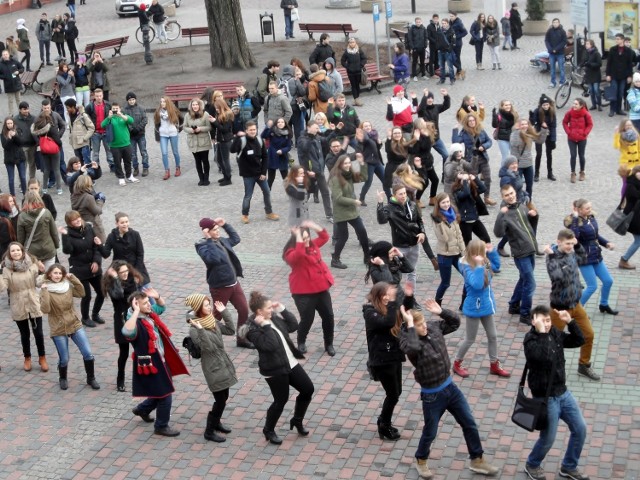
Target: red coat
x=309 y=273
x=577 y=124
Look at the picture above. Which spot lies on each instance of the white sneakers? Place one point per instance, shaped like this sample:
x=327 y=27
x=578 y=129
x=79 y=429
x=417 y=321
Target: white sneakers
x=122 y=182
x=132 y=179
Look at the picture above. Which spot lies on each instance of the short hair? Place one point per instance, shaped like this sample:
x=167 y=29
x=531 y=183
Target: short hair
x=555 y=18
x=136 y=296
x=445 y=20
x=250 y=123
x=435 y=15
x=121 y=215
x=114 y=104
x=46 y=102
x=323 y=37
x=397 y=187
x=98 y=90
x=70 y=102
x=311 y=123
x=506 y=187
x=340 y=95
x=540 y=310
x=455 y=14
x=619 y=35
x=275 y=84
x=566 y=234
x=335 y=140
x=273 y=63
x=33 y=181
x=418 y=18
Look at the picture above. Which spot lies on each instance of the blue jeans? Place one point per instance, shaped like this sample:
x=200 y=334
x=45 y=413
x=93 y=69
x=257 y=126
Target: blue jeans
x=616 y=105
x=596 y=97
x=559 y=58
x=96 y=140
x=162 y=406
x=589 y=273
x=526 y=286
x=249 y=184
x=442 y=150
x=72 y=9
x=164 y=148
x=62 y=345
x=434 y=405
x=445 y=58
x=378 y=171
x=527 y=173
x=21 y=174
x=566 y=408
x=633 y=248
x=288 y=26
x=505 y=148
x=446 y=262
x=84 y=154
x=43 y=46
x=139 y=142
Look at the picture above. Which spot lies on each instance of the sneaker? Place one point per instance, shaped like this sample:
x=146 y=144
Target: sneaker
x=585 y=370
x=480 y=465
x=574 y=474
x=145 y=172
x=415 y=79
x=552 y=85
x=273 y=216
x=59 y=191
x=329 y=219
x=534 y=473
x=423 y=468
x=132 y=179
x=122 y=182
x=244 y=219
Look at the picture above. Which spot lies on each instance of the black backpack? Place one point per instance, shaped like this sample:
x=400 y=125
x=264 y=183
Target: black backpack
x=325 y=90
x=194 y=350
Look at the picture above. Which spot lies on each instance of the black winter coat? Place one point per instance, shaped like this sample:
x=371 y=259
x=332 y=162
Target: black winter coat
x=632 y=195
x=128 y=248
x=552 y=123
x=119 y=293
x=431 y=113
x=320 y=54
x=250 y=164
x=468 y=203
x=10 y=71
x=620 y=65
x=417 y=37
x=516 y=23
x=405 y=221
x=353 y=62
x=384 y=348
x=504 y=122
x=592 y=66
x=422 y=150
x=13 y=152
x=23 y=127
x=78 y=244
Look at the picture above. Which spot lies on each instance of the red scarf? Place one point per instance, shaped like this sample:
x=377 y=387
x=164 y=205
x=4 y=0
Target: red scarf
x=151 y=347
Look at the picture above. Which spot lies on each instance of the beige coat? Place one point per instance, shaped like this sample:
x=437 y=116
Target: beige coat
x=90 y=210
x=81 y=129
x=200 y=141
x=449 y=237
x=63 y=319
x=25 y=301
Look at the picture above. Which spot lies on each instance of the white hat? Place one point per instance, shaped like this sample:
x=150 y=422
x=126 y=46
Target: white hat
x=20 y=21
x=456 y=147
x=636 y=77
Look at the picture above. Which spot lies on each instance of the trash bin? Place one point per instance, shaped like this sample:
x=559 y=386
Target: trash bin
x=266 y=26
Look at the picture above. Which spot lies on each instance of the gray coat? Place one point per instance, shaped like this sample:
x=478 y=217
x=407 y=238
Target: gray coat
x=43 y=31
x=217 y=367
x=277 y=106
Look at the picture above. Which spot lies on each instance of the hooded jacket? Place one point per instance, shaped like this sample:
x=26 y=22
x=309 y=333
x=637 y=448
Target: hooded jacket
x=516 y=226
x=555 y=40
x=43 y=31
x=81 y=129
x=59 y=307
x=25 y=301
x=310 y=153
x=405 y=221
x=449 y=237
x=417 y=37
x=321 y=53
x=277 y=106
x=344 y=197
x=577 y=124
x=90 y=210
x=509 y=177
x=335 y=77
x=587 y=234
x=480 y=301
x=458 y=27
x=354 y=62
x=252 y=158
x=400 y=111
x=313 y=95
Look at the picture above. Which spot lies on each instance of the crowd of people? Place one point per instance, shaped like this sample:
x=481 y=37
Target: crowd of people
x=306 y=111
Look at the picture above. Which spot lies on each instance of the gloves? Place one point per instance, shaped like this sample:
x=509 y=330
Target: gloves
x=100 y=197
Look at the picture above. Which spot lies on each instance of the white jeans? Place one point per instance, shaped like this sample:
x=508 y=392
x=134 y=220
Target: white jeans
x=160 y=32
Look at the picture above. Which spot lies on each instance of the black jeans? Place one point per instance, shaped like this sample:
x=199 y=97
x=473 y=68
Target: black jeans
x=310 y=303
x=202 y=165
x=416 y=55
x=433 y=59
x=223 y=159
x=577 y=148
x=73 y=52
x=25 y=337
x=477 y=227
x=390 y=377
x=279 y=385
x=120 y=155
x=122 y=358
x=548 y=147
x=271 y=176
x=354 y=79
x=433 y=179
x=479 y=46
x=219 y=402
x=86 y=300
x=341 y=233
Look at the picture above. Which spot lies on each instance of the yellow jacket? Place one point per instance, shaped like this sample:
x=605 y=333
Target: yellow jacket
x=629 y=152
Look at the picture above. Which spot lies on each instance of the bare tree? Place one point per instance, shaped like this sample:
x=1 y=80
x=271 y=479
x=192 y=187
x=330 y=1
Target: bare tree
x=227 y=39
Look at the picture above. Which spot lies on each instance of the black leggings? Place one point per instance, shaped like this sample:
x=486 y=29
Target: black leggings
x=390 y=377
x=341 y=232
x=468 y=229
x=60 y=49
x=202 y=165
x=122 y=358
x=434 y=181
x=310 y=303
x=86 y=300
x=279 y=385
x=73 y=52
x=219 y=402
x=25 y=337
x=354 y=79
x=548 y=146
x=271 y=176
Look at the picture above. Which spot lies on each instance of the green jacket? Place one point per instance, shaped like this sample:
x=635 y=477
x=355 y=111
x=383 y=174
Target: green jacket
x=344 y=197
x=121 y=135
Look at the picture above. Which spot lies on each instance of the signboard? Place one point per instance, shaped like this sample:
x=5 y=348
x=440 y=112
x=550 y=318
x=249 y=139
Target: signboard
x=388 y=8
x=580 y=12
x=621 y=18
x=376 y=12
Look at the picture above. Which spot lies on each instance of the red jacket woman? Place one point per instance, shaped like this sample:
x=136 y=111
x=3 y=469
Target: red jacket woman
x=577 y=124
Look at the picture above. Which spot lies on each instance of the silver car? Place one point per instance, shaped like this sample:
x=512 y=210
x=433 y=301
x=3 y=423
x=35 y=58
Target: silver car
x=130 y=7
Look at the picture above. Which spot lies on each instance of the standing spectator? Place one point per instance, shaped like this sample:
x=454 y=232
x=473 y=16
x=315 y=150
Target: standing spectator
x=45 y=126
x=37 y=222
x=137 y=134
x=505 y=23
x=514 y=223
x=278 y=134
x=14 y=157
x=120 y=147
x=577 y=124
x=335 y=76
x=312 y=160
x=445 y=44
x=156 y=12
x=323 y=51
x=478 y=32
x=23 y=122
x=43 y=34
x=632 y=196
x=152 y=350
x=168 y=123
x=219 y=372
x=318 y=82
x=98 y=78
x=515 y=22
x=269 y=74
x=460 y=32
x=432 y=33
x=545 y=117
x=24 y=45
x=521 y=143
x=417 y=40
x=296 y=93
x=424 y=345
x=593 y=76
x=81 y=72
x=81 y=130
x=222 y=133
x=223 y=269
x=555 y=40
x=98 y=110
x=544 y=348
x=197 y=126
x=66 y=85
x=252 y=167
x=287 y=6
x=620 y=62
x=57 y=36
x=8 y=221
x=430 y=112
x=503 y=120
x=492 y=32
x=10 y=70
x=276 y=105
x=400 y=65
x=71 y=4
x=248 y=105
x=70 y=35
x=354 y=60
x=309 y=282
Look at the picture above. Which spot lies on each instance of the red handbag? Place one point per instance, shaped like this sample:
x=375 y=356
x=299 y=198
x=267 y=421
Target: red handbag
x=48 y=146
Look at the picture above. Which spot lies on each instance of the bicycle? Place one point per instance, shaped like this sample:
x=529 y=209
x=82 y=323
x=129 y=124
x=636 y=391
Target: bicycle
x=171 y=27
x=576 y=77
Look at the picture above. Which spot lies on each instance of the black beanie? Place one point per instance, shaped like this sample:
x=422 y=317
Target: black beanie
x=131 y=95
x=380 y=249
x=544 y=99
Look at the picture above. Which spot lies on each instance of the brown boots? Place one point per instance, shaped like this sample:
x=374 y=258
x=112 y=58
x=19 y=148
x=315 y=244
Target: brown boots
x=625 y=265
x=43 y=363
x=167 y=174
x=27 y=364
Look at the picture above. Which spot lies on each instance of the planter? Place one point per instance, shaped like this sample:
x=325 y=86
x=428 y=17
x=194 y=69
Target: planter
x=342 y=4
x=366 y=6
x=553 y=6
x=535 y=27
x=459 y=6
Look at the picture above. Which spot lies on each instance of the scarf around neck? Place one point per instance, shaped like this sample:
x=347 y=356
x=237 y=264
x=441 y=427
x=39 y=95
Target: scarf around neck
x=629 y=135
x=18 y=265
x=60 y=287
x=449 y=215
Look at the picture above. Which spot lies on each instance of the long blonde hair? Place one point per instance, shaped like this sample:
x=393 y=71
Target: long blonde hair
x=409 y=177
x=472 y=131
x=474 y=248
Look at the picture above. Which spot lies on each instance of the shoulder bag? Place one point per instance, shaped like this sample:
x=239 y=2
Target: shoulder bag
x=48 y=146
x=33 y=229
x=364 y=77
x=531 y=413
x=618 y=221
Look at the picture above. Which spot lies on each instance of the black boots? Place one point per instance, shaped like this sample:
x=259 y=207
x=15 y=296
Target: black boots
x=272 y=437
x=210 y=431
x=120 y=381
x=298 y=416
x=387 y=430
x=63 y=377
x=91 y=378
x=336 y=263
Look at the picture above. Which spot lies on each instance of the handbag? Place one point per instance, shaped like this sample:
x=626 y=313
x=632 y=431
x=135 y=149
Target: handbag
x=495 y=133
x=295 y=16
x=48 y=146
x=611 y=93
x=618 y=221
x=364 y=78
x=472 y=41
x=531 y=413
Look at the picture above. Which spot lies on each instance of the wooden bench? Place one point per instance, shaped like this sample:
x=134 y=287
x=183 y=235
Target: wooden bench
x=195 y=32
x=185 y=92
x=30 y=80
x=312 y=28
x=375 y=77
x=115 y=43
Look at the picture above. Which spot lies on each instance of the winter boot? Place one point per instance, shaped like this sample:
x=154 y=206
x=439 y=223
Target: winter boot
x=120 y=381
x=336 y=263
x=27 y=364
x=499 y=67
x=209 y=432
x=91 y=378
x=298 y=416
x=459 y=369
x=479 y=66
x=63 y=377
x=495 y=65
x=42 y=360
x=496 y=369
x=386 y=430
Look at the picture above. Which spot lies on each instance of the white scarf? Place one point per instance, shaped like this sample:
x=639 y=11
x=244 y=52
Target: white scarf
x=60 y=287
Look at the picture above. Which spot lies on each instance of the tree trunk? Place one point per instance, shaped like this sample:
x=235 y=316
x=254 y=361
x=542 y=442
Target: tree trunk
x=227 y=40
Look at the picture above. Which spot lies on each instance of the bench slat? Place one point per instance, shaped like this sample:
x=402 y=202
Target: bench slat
x=185 y=92
x=312 y=28
x=115 y=43
x=195 y=32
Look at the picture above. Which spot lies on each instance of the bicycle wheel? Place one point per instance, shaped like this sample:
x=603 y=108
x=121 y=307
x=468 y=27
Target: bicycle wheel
x=563 y=94
x=152 y=35
x=604 y=101
x=173 y=30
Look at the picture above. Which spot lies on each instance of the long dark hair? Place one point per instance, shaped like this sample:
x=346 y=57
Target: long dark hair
x=107 y=280
x=291 y=243
x=336 y=171
x=5 y=129
x=457 y=185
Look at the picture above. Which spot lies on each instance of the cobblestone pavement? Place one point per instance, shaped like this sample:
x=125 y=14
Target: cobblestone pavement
x=81 y=433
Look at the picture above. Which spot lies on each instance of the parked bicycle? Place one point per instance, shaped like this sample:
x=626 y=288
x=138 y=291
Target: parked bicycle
x=172 y=28
x=576 y=78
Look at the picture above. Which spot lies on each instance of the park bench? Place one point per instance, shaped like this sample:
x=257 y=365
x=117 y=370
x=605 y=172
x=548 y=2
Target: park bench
x=115 y=43
x=312 y=28
x=185 y=92
x=195 y=32
x=30 y=80
x=375 y=77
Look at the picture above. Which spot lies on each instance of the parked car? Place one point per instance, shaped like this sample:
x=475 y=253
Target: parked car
x=130 y=7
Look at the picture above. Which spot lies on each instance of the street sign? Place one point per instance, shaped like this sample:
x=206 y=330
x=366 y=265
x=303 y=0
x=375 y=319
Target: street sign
x=580 y=12
x=388 y=8
x=376 y=12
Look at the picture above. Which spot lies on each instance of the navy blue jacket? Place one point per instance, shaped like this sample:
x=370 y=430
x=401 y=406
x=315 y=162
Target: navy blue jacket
x=555 y=40
x=458 y=28
x=586 y=232
x=471 y=143
x=466 y=202
x=222 y=269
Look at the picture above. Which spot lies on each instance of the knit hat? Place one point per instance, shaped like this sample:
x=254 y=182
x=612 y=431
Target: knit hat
x=142 y=7
x=235 y=104
x=131 y=95
x=430 y=95
x=23 y=105
x=195 y=302
x=544 y=99
x=397 y=89
x=456 y=147
x=636 y=77
x=509 y=160
x=207 y=223
x=380 y=249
